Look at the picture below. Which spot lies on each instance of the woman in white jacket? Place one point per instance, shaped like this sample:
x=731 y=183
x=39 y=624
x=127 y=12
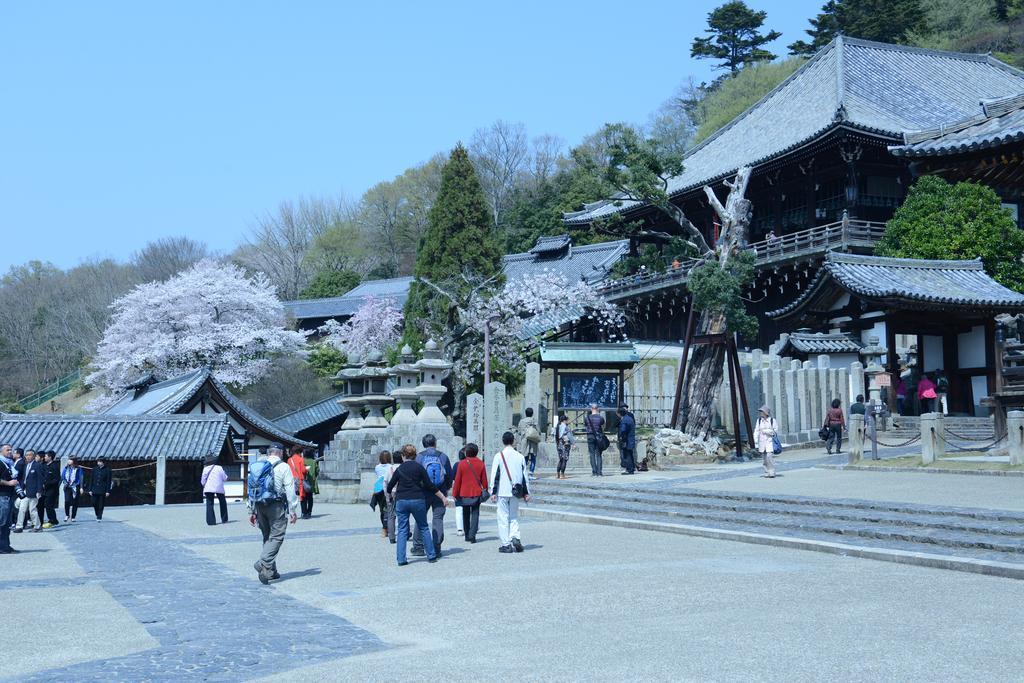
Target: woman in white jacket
x=764 y=434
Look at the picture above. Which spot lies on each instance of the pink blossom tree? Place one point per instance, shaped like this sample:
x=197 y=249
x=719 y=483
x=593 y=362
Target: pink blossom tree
x=212 y=314
x=375 y=326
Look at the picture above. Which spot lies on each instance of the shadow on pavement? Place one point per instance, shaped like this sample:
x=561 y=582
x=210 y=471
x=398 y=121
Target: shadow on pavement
x=313 y=571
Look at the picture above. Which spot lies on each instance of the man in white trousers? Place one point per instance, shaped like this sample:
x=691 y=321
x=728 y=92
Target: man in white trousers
x=508 y=472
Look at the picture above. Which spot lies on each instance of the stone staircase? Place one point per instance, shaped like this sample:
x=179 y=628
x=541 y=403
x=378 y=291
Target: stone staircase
x=958 y=429
x=948 y=531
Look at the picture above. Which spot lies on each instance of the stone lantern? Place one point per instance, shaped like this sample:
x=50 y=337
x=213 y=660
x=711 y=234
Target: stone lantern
x=406 y=375
x=873 y=368
x=433 y=369
x=352 y=390
x=375 y=395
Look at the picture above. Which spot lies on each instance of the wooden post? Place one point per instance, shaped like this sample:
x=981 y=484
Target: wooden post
x=681 y=380
x=733 y=371
x=742 y=389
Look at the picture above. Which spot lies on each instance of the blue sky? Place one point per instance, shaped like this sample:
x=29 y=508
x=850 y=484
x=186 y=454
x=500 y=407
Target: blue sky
x=126 y=122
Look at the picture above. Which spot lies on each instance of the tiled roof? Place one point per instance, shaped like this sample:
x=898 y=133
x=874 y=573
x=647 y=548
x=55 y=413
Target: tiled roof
x=547 y=245
x=807 y=342
x=119 y=437
x=172 y=395
x=312 y=415
x=396 y=289
x=582 y=353
x=876 y=87
x=909 y=283
x=590 y=262
x=998 y=122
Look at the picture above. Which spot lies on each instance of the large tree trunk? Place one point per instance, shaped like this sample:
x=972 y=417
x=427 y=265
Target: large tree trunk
x=707 y=361
x=703 y=381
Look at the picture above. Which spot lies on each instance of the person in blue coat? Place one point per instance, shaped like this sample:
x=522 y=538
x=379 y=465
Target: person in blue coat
x=627 y=439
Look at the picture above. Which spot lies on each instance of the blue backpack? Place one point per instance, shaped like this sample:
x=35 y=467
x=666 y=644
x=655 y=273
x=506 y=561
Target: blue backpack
x=435 y=469
x=261 y=483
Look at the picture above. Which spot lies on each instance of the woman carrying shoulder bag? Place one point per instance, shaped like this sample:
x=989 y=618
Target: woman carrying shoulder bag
x=765 y=435
x=213 y=480
x=470 y=490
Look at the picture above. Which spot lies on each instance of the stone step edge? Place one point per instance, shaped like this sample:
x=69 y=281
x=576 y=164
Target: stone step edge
x=921 y=470
x=919 y=535
x=974 y=566
x=783 y=499
x=900 y=519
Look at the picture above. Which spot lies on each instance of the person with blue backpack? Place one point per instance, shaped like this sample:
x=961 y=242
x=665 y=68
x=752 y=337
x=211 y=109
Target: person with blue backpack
x=439 y=472
x=272 y=504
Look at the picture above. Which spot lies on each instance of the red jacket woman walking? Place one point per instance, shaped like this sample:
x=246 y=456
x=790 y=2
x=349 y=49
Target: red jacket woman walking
x=468 y=490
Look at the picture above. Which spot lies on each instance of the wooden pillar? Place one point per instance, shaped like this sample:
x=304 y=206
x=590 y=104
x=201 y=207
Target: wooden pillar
x=950 y=365
x=892 y=361
x=990 y=355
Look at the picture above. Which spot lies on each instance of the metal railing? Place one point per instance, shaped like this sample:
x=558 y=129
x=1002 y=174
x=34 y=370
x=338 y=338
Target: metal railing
x=843 y=234
x=40 y=397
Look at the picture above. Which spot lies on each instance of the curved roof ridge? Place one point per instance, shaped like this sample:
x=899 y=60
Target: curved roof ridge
x=902 y=262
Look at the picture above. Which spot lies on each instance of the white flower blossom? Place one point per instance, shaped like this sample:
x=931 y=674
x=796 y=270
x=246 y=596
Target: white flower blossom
x=375 y=326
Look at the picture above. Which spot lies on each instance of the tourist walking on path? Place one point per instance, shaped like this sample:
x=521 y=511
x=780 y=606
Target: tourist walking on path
x=100 y=487
x=455 y=473
x=272 y=506
x=298 y=466
x=411 y=487
x=508 y=472
x=765 y=432
x=596 y=440
x=927 y=392
x=529 y=435
x=73 y=479
x=8 y=488
x=564 y=441
x=468 y=489
x=18 y=470
x=213 y=480
x=313 y=477
x=378 y=500
x=627 y=440
x=942 y=390
x=389 y=498
x=32 y=483
x=901 y=395
x=835 y=422
x=439 y=471
x=51 y=488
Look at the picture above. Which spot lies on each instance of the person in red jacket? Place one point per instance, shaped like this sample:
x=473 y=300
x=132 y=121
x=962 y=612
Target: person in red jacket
x=470 y=484
x=299 y=470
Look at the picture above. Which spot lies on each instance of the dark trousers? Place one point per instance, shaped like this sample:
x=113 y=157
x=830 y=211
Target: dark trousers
x=836 y=437
x=563 y=456
x=628 y=457
x=926 y=405
x=99 y=501
x=381 y=502
x=211 y=519
x=470 y=521
x=70 y=502
x=6 y=516
x=50 y=497
x=436 y=527
x=306 y=504
x=596 y=457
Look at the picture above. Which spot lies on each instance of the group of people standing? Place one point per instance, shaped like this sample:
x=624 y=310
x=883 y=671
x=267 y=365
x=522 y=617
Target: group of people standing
x=427 y=480
x=30 y=486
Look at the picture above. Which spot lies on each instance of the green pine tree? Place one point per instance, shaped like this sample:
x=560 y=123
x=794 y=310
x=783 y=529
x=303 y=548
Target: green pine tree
x=459 y=240
x=734 y=37
x=886 y=21
x=962 y=221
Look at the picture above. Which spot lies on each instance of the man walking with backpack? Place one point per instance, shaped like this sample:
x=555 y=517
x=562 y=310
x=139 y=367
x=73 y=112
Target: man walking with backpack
x=529 y=434
x=439 y=472
x=272 y=505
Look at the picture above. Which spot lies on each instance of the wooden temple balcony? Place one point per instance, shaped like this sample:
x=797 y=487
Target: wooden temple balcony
x=843 y=235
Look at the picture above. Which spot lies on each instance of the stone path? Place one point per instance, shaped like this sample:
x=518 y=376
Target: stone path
x=211 y=623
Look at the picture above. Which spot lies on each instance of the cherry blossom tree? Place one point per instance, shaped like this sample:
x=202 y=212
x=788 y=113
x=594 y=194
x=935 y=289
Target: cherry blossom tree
x=213 y=314
x=375 y=326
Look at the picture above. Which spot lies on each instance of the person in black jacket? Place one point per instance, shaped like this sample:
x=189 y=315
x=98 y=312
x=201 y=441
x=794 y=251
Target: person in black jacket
x=51 y=488
x=32 y=483
x=412 y=486
x=99 y=489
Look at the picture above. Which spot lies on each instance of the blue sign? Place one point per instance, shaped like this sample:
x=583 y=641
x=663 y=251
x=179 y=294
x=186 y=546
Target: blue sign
x=580 y=390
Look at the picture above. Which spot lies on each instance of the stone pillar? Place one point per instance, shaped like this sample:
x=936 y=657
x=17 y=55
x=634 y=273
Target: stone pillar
x=668 y=388
x=856 y=438
x=531 y=392
x=812 y=395
x=494 y=417
x=1015 y=436
x=161 y=479
x=792 y=398
x=639 y=407
x=932 y=445
x=756 y=359
x=475 y=419
x=857 y=380
x=776 y=400
x=843 y=387
x=801 y=392
x=654 y=387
